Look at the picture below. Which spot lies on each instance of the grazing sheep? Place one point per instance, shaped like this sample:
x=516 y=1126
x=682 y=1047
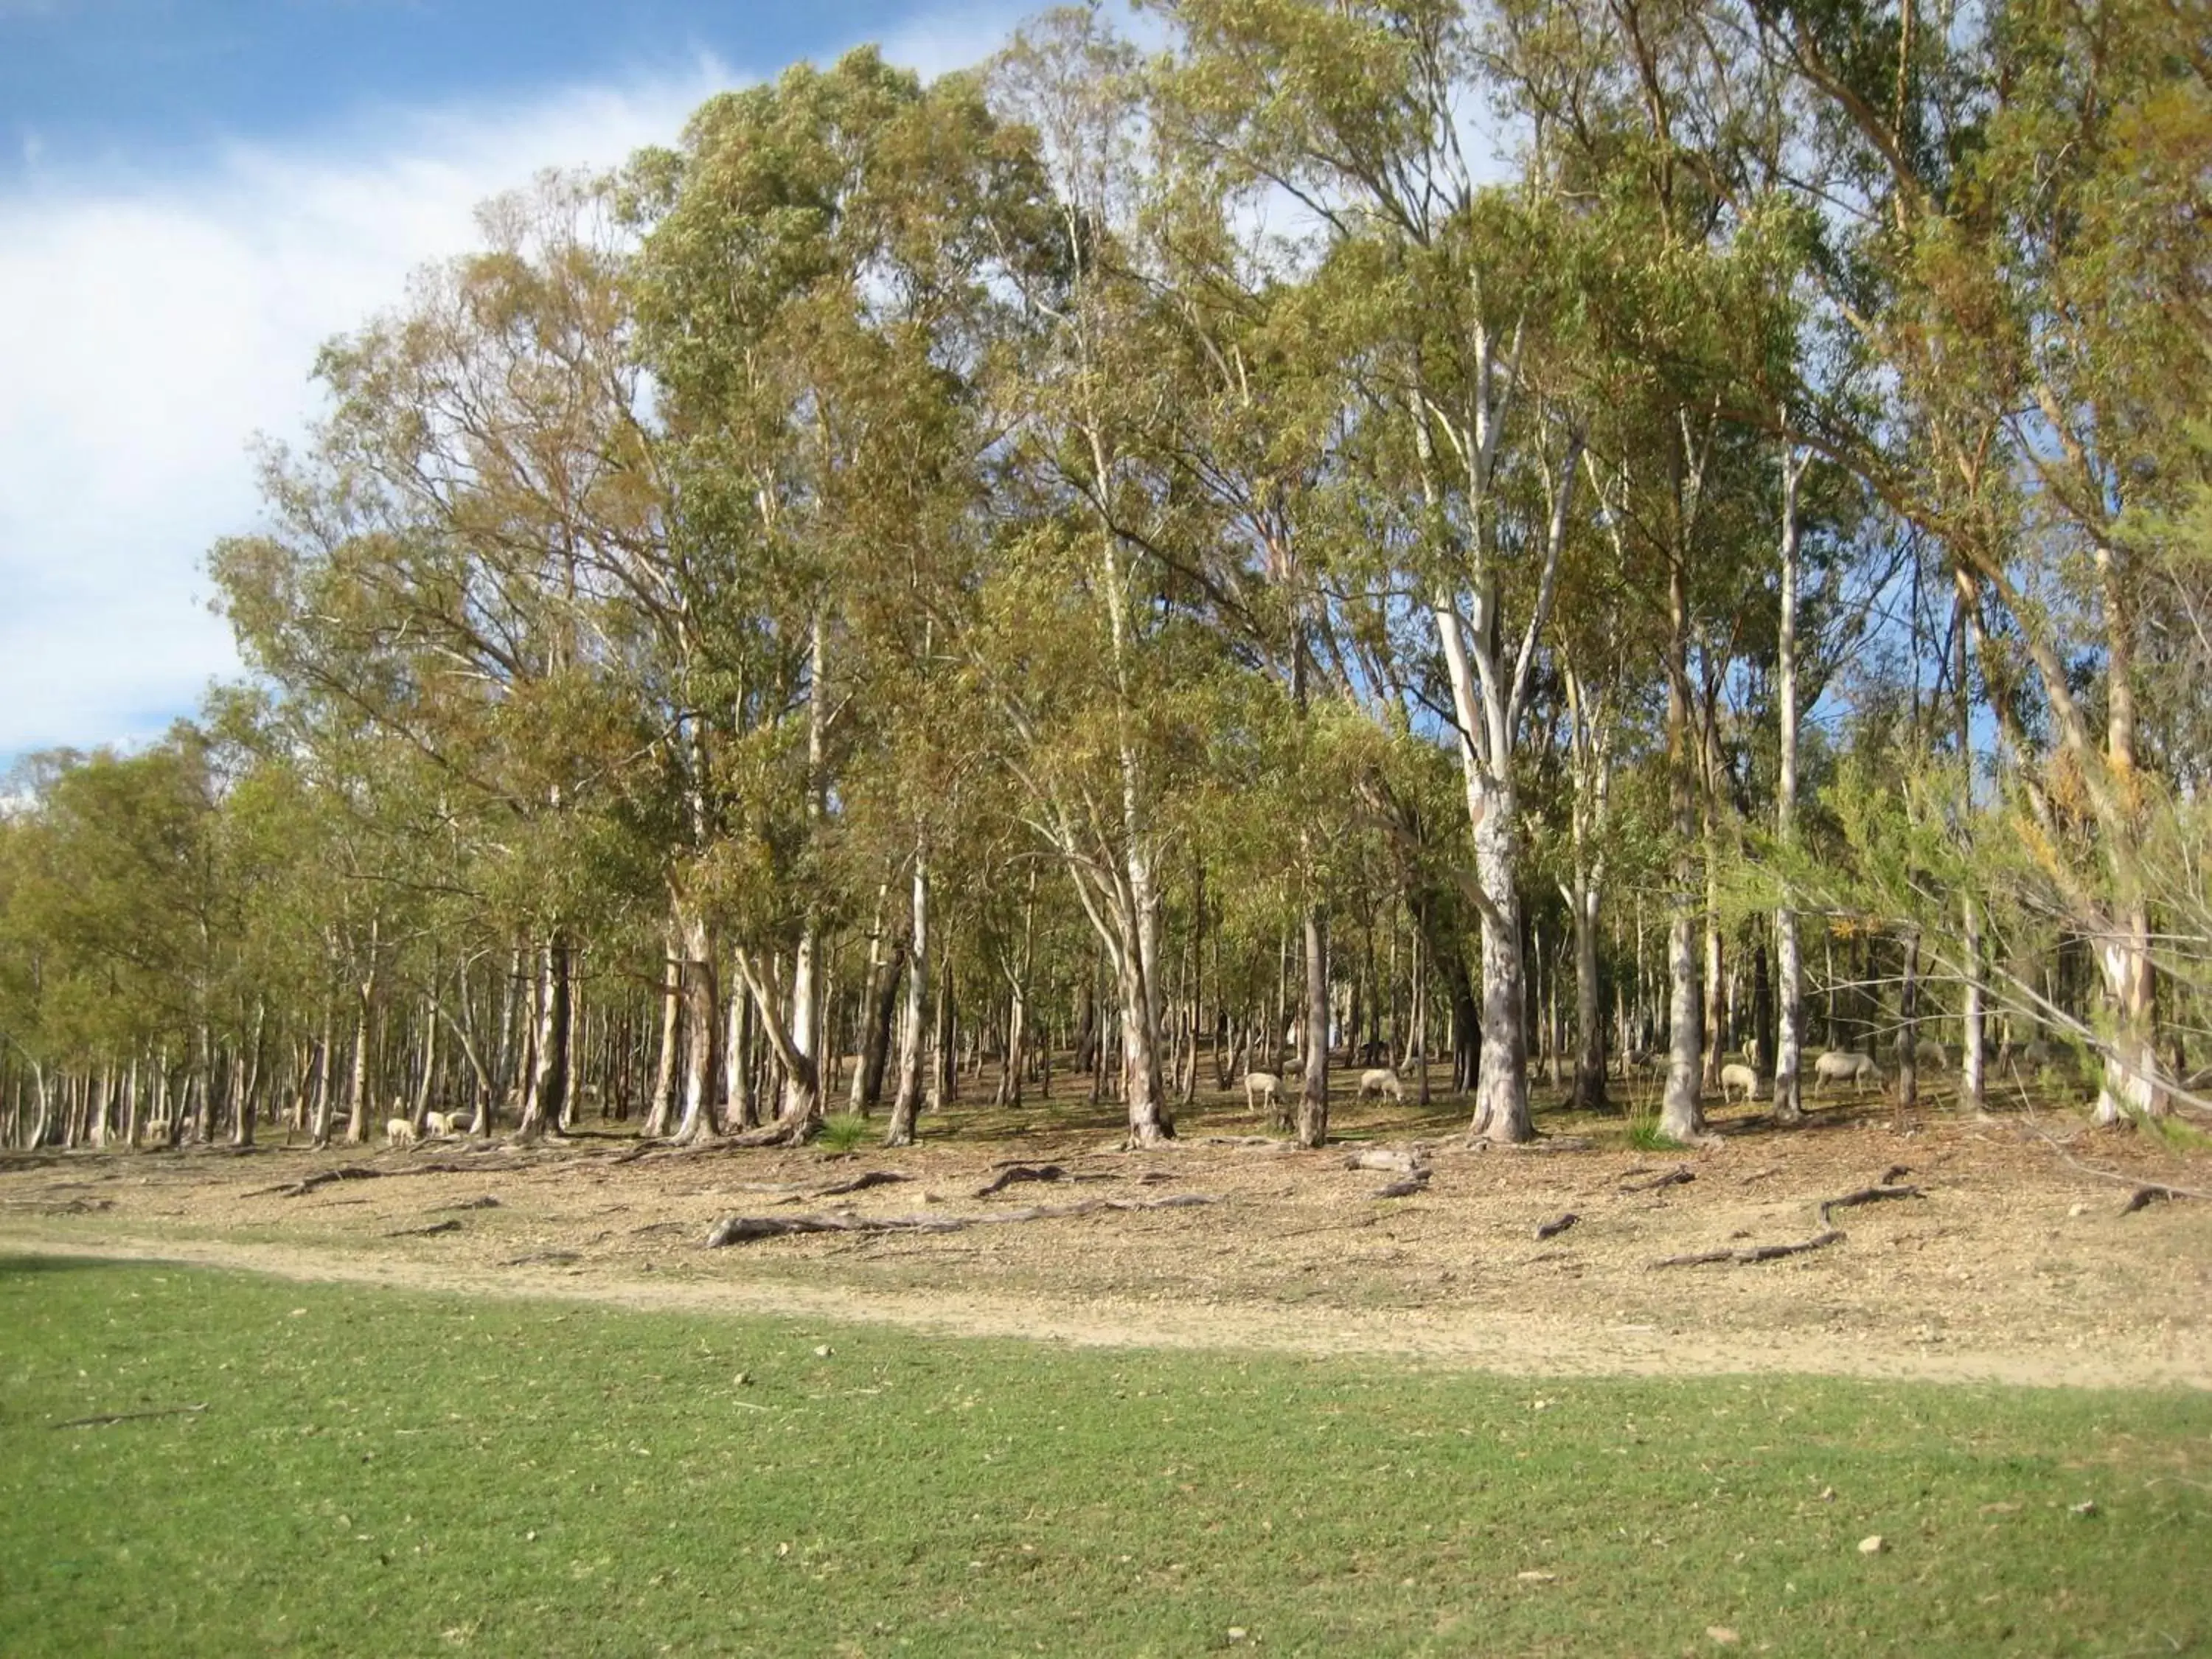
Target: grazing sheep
x=1841 y=1065
x=438 y=1123
x=1929 y=1053
x=1262 y=1087
x=1381 y=1083
x=1738 y=1077
x=398 y=1132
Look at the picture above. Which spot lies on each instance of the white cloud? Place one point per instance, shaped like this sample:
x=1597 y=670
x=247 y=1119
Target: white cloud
x=148 y=333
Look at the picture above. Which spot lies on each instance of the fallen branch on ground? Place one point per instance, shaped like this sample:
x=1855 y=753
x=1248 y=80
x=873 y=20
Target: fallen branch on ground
x=1753 y=1253
x=2157 y=1188
x=425 y=1232
x=1016 y=1172
x=487 y=1202
x=1556 y=1224
x=1677 y=1176
x=859 y=1183
x=1867 y=1196
x=744 y=1228
x=127 y=1417
x=1416 y=1182
x=2143 y=1197
x=306 y=1184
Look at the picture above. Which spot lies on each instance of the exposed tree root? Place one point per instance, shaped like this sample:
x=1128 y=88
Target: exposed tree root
x=744 y=1228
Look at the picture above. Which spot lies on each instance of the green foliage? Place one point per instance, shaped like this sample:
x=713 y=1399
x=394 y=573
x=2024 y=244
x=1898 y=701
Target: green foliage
x=363 y=1479
x=844 y=1132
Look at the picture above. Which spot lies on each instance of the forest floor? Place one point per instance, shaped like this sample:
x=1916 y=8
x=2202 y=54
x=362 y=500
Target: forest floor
x=2011 y=1260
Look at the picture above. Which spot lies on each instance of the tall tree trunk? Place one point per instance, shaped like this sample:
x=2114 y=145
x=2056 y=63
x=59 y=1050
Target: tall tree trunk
x=663 y=1109
x=1908 y=1021
x=907 y=1105
x=701 y=1023
x=1313 y=1098
x=549 y=1070
x=1681 y=1113
x=1972 y=1090
x=1501 y=1102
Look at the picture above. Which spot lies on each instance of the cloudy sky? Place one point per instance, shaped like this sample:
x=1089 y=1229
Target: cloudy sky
x=195 y=193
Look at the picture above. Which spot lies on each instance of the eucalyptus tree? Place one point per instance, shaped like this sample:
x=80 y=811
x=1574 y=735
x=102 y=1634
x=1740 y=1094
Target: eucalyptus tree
x=813 y=284
x=2011 y=227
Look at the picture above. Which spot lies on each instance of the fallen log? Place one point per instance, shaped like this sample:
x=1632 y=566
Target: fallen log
x=745 y=1229
x=1416 y=1182
x=1397 y=1160
x=1753 y=1253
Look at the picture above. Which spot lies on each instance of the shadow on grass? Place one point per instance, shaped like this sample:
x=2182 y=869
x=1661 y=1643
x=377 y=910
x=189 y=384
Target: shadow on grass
x=25 y=1267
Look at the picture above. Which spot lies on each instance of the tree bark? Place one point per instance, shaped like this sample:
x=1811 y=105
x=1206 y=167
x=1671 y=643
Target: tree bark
x=1313 y=1098
x=908 y=1103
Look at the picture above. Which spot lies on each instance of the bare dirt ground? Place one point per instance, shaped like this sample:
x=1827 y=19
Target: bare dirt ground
x=2010 y=1263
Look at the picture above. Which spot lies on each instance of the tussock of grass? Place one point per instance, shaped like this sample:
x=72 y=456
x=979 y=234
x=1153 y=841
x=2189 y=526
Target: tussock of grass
x=385 y=1473
x=1645 y=1136
x=844 y=1132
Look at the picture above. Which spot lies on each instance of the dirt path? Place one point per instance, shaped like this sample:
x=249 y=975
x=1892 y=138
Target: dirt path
x=2007 y=1266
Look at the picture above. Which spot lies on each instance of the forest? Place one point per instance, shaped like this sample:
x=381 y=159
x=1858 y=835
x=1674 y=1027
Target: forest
x=1543 y=551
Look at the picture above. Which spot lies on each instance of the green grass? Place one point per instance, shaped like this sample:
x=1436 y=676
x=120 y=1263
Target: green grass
x=380 y=1471
x=1644 y=1135
x=844 y=1132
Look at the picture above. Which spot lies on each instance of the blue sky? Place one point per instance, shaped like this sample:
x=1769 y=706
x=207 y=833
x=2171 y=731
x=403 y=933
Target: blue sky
x=195 y=193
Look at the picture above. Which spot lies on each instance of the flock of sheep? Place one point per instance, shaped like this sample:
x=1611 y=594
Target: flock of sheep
x=1265 y=1089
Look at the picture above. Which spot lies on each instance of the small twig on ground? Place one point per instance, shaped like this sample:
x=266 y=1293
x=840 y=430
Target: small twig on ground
x=128 y=1416
x=448 y=1226
x=486 y=1203
x=555 y=1258
x=1677 y=1176
x=1556 y=1224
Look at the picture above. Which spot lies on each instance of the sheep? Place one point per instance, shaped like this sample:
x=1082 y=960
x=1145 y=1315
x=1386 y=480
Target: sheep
x=1930 y=1055
x=1262 y=1088
x=438 y=1123
x=1381 y=1083
x=1839 y=1064
x=398 y=1132
x=1738 y=1077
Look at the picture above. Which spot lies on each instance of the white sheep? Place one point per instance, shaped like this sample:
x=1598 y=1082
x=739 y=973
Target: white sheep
x=1838 y=1065
x=438 y=1123
x=1734 y=1077
x=398 y=1132
x=1383 y=1084
x=1262 y=1088
x=1930 y=1055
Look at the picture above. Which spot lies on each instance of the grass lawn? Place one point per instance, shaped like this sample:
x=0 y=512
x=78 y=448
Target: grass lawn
x=378 y=1472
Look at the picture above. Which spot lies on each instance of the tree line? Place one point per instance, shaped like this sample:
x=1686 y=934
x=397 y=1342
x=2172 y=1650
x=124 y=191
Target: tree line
x=1570 y=539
